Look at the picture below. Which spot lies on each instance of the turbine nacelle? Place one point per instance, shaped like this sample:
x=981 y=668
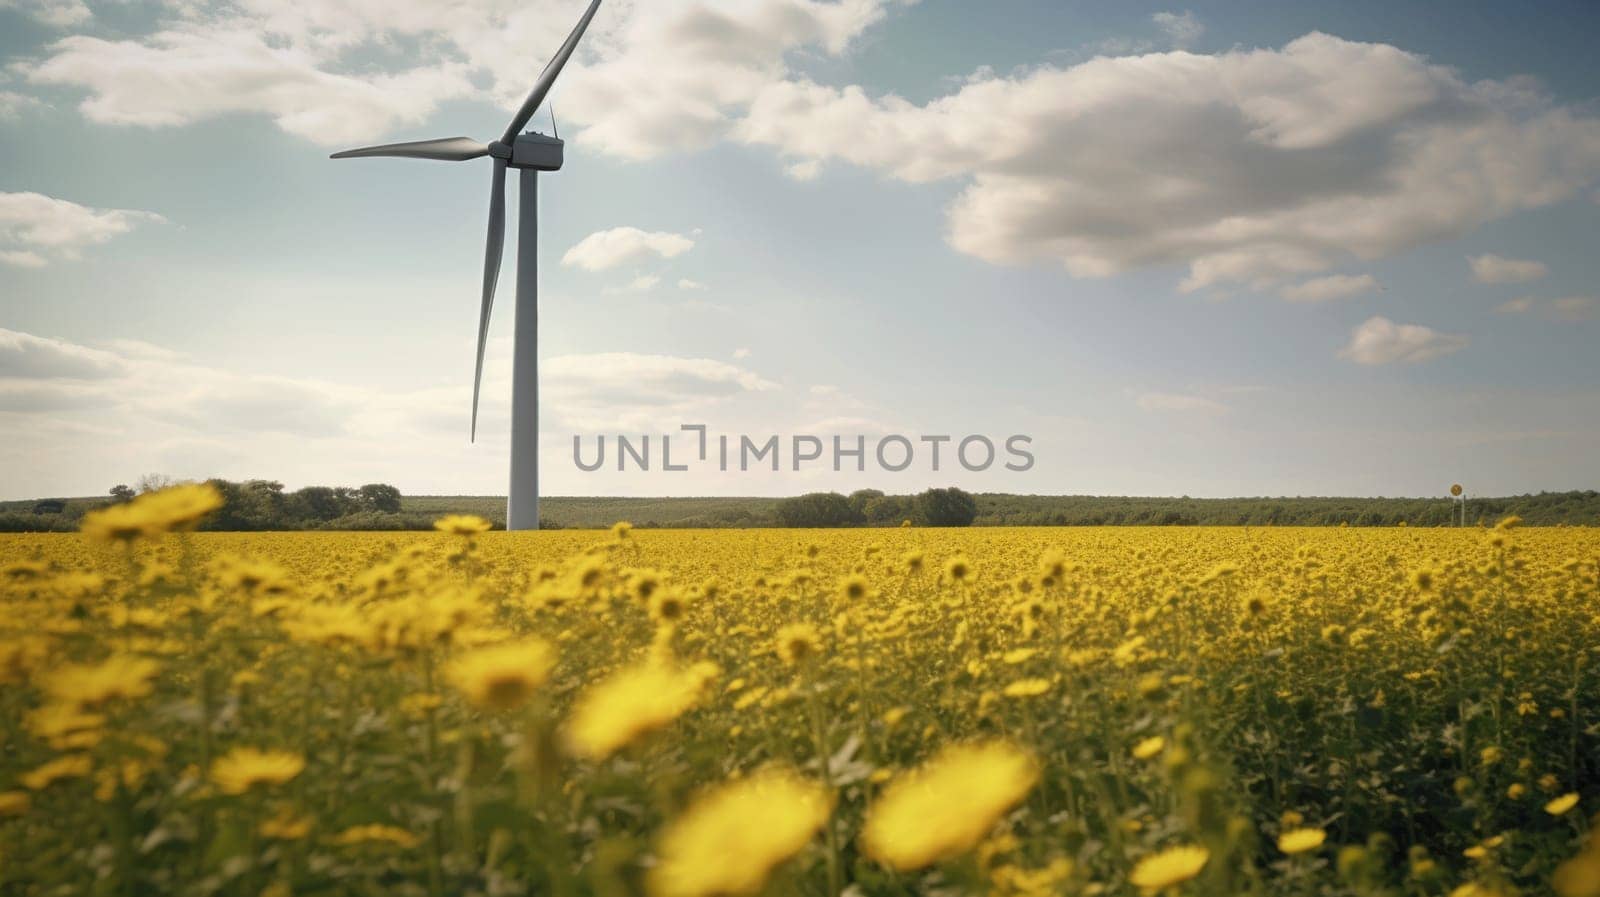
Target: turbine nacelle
x=540 y=152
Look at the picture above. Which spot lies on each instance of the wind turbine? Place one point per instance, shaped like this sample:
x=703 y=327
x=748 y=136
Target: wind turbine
x=530 y=153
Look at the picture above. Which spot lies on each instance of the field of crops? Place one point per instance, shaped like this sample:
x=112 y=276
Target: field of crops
x=684 y=714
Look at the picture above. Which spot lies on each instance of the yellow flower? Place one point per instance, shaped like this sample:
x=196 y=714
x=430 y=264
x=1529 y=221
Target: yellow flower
x=667 y=605
x=1579 y=876
x=376 y=834
x=462 y=524
x=65 y=726
x=503 y=676
x=1300 y=840
x=1149 y=747
x=1172 y=866
x=853 y=587
x=244 y=768
x=1027 y=688
x=798 y=642
x=958 y=568
x=944 y=807
x=1562 y=804
x=730 y=839
x=631 y=703
x=14 y=803
x=169 y=510
x=69 y=766
x=285 y=826
x=88 y=684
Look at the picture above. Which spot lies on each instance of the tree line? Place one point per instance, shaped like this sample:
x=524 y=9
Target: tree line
x=250 y=505
x=267 y=505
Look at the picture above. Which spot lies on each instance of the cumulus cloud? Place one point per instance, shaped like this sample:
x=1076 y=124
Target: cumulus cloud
x=687 y=284
x=1177 y=402
x=607 y=249
x=1491 y=268
x=1251 y=166
x=649 y=78
x=35 y=227
x=1323 y=289
x=201 y=70
x=1381 y=341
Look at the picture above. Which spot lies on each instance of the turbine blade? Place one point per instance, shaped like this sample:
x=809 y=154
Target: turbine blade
x=448 y=149
x=547 y=78
x=491 y=274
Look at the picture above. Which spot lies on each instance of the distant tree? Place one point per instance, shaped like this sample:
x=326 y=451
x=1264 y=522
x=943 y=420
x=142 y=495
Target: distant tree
x=50 y=506
x=153 y=482
x=121 y=493
x=380 y=497
x=316 y=503
x=859 y=500
x=817 y=509
x=944 y=507
x=887 y=510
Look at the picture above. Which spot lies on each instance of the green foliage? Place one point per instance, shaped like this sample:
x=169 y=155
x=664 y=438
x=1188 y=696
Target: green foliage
x=816 y=509
x=944 y=507
x=263 y=505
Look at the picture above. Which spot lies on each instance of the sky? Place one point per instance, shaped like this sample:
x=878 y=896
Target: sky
x=1216 y=249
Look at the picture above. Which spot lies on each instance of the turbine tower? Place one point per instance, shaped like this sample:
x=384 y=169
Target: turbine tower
x=530 y=153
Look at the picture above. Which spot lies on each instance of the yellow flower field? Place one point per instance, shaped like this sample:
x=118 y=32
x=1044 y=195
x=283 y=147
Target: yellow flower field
x=695 y=713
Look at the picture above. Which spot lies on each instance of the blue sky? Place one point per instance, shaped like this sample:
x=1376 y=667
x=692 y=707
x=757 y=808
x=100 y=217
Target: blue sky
x=1212 y=249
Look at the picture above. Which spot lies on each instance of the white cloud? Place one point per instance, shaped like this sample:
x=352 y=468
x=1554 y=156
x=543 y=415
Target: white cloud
x=1181 y=28
x=649 y=77
x=609 y=391
x=34 y=226
x=12 y=104
x=607 y=249
x=809 y=170
x=24 y=356
x=1248 y=167
x=1323 y=289
x=739 y=354
x=1491 y=268
x=678 y=75
x=203 y=70
x=687 y=284
x=22 y=258
x=1164 y=401
x=1382 y=341
x=56 y=13
x=1568 y=308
